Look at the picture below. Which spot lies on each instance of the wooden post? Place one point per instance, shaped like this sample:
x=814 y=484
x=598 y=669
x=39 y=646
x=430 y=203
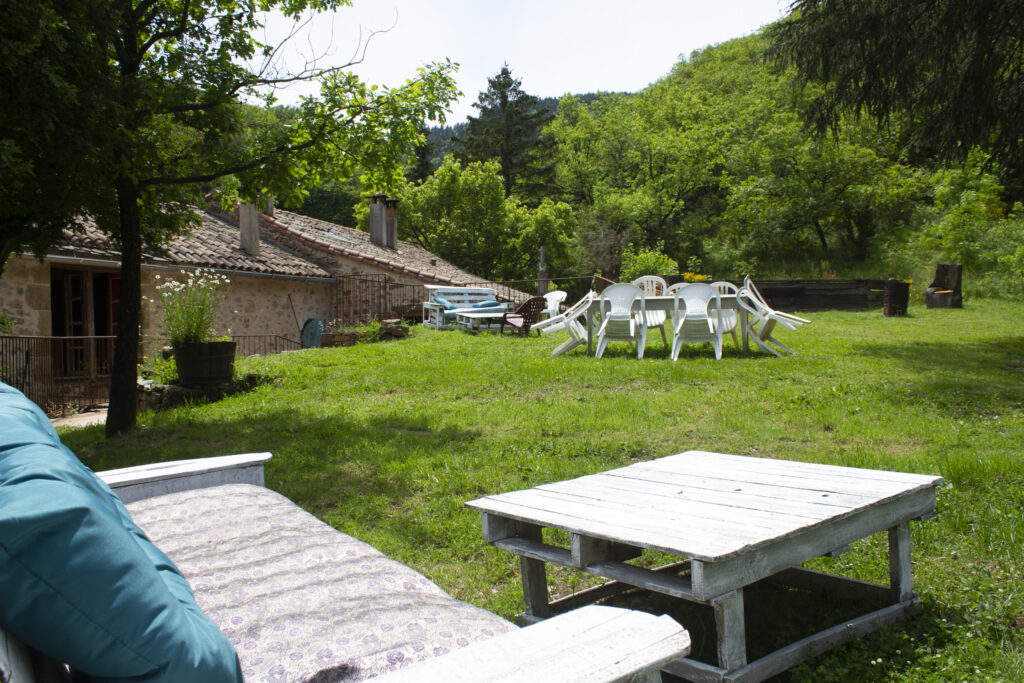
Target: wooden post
x=542 y=276
x=732 y=636
x=900 y=579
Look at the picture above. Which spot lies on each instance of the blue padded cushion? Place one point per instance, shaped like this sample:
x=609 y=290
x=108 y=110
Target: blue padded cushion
x=486 y=304
x=79 y=581
x=448 y=305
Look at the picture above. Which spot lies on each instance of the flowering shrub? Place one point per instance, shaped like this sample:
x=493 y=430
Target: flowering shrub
x=190 y=307
x=695 y=277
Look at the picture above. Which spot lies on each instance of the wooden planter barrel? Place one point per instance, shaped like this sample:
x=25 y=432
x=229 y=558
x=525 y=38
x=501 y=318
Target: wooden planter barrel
x=205 y=363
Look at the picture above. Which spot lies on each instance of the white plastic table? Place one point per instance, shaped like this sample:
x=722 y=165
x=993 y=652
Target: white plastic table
x=736 y=520
x=666 y=303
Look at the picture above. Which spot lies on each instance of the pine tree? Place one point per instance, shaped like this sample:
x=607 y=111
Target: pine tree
x=508 y=130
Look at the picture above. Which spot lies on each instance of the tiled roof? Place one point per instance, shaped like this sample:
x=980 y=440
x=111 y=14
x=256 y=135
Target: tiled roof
x=408 y=258
x=213 y=244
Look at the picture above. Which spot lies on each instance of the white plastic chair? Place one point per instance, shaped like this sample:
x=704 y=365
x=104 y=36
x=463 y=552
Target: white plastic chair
x=573 y=320
x=621 y=306
x=691 y=319
x=653 y=286
x=761 y=322
x=554 y=301
x=730 y=317
x=754 y=294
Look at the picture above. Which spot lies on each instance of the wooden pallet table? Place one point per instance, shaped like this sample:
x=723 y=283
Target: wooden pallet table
x=736 y=521
x=488 y=319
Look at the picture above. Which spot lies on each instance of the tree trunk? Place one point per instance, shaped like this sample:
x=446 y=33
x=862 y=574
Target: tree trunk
x=123 y=376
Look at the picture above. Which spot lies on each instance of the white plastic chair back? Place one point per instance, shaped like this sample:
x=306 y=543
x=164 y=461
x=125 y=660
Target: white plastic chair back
x=753 y=293
x=653 y=285
x=620 y=306
x=761 y=322
x=554 y=301
x=693 y=323
x=730 y=318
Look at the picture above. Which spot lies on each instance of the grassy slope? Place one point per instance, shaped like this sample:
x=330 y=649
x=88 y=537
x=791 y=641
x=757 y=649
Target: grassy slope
x=386 y=442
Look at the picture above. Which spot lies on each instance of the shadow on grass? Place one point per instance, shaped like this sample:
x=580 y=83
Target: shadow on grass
x=777 y=616
x=957 y=375
x=321 y=463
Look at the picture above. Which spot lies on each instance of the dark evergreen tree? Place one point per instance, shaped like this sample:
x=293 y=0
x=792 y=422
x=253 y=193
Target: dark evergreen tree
x=508 y=130
x=950 y=72
x=423 y=163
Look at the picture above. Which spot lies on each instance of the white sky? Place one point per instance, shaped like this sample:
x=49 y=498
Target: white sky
x=553 y=46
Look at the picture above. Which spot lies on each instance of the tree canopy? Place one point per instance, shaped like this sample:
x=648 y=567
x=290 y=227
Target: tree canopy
x=950 y=73
x=173 y=78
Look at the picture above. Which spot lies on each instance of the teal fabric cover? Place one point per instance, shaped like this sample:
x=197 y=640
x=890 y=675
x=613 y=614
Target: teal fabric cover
x=486 y=304
x=79 y=581
x=448 y=305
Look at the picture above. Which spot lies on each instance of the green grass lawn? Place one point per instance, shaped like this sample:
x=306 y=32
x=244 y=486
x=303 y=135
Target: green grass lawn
x=386 y=442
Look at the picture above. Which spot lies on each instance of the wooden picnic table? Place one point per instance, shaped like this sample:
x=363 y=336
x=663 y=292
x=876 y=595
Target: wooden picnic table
x=736 y=520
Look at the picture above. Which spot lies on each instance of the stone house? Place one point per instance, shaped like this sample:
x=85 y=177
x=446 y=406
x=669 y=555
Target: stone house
x=285 y=270
x=289 y=275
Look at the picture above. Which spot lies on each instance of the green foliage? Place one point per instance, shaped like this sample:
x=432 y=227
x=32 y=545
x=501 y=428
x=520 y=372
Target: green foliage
x=7 y=322
x=461 y=213
x=637 y=261
x=190 y=306
x=387 y=442
x=166 y=82
x=949 y=72
x=159 y=369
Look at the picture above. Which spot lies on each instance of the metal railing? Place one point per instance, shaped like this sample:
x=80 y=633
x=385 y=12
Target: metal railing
x=263 y=344
x=58 y=373
x=361 y=298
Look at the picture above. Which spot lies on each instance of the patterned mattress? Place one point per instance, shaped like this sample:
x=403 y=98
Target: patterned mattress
x=300 y=600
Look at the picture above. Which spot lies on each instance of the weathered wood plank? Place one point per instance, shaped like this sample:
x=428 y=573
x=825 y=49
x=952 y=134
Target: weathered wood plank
x=795 y=466
x=732 y=636
x=146 y=481
x=587 y=550
x=668 y=496
x=737 y=570
x=595 y=643
x=703 y=489
x=826 y=483
x=719 y=483
x=670 y=511
x=535 y=586
x=900 y=578
x=614 y=529
x=823 y=641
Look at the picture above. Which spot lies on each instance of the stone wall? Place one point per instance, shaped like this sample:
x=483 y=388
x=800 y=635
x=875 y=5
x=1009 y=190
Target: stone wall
x=25 y=295
x=254 y=305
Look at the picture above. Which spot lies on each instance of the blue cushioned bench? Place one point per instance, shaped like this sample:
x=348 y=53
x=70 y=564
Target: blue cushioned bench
x=444 y=304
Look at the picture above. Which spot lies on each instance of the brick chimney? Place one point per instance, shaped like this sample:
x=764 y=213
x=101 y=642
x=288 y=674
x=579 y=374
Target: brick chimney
x=384 y=221
x=391 y=223
x=249 y=228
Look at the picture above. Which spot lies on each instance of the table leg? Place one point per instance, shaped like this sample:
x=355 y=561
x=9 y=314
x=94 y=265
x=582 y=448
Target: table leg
x=900 y=579
x=743 y=329
x=535 y=586
x=732 y=636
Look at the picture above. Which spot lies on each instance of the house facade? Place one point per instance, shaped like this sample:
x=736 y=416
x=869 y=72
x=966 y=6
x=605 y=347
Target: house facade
x=285 y=270
x=288 y=276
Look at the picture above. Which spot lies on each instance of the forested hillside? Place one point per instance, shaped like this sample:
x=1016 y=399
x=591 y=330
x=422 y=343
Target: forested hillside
x=715 y=167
